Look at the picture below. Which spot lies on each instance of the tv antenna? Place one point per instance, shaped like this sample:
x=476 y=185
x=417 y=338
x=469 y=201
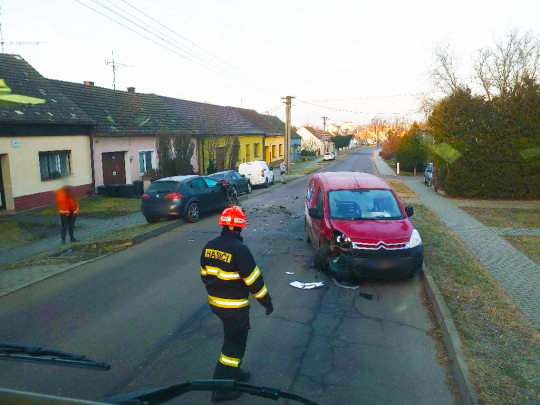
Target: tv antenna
x=115 y=66
x=2 y=42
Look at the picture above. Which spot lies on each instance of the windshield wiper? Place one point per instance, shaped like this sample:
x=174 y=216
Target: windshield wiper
x=161 y=395
x=36 y=354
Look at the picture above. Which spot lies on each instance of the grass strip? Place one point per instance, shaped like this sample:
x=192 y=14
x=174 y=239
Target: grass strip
x=529 y=245
x=505 y=217
x=103 y=205
x=502 y=345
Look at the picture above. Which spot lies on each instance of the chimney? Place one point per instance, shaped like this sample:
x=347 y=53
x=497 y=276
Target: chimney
x=131 y=89
x=89 y=83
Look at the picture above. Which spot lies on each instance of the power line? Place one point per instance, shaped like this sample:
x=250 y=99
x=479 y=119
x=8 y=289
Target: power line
x=352 y=111
x=189 y=51
x=192 y=43
x=172 y=50
x=367 y=98
x=232 y=75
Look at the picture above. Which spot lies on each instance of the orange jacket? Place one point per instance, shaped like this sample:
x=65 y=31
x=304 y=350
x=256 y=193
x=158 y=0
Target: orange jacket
x=66 y=203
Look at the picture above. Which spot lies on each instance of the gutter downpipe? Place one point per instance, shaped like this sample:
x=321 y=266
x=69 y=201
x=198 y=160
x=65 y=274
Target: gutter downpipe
x=92 y=159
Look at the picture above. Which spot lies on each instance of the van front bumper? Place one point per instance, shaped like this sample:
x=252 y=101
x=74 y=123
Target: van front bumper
x=381 y=263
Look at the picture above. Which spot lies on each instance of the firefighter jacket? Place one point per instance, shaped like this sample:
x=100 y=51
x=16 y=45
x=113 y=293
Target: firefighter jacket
x=65 y=203
x=229 y=272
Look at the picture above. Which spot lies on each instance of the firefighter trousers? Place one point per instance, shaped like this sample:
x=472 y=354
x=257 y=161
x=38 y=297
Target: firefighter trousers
x=68 y=224
x=235 y=328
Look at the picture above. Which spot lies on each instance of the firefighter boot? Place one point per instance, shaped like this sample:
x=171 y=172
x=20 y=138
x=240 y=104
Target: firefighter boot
x=243 y=375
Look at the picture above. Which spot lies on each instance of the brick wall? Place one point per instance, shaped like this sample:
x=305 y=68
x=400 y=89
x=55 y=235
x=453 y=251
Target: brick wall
x=47 y=198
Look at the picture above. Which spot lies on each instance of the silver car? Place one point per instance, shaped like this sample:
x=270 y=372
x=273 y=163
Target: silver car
x=428 y=174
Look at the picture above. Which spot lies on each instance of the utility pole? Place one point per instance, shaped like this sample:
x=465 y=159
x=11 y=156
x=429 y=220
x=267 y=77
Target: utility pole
x=288 y=131
x=324 y=123
x=114 y=67
x=2 y=42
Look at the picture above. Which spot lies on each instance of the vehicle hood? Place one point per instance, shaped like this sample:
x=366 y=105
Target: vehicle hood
x=375 y=231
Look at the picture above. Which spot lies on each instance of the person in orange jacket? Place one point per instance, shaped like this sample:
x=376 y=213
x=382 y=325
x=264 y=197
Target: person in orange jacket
x=68 y=207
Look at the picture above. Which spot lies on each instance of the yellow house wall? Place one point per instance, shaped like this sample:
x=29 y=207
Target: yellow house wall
x=276 y=141
x=21 y=171
x=244 y=140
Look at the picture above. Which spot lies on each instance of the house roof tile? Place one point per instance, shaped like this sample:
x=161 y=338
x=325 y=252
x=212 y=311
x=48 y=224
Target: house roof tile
x=26 y=97
x=123 y=113
x=210 y=119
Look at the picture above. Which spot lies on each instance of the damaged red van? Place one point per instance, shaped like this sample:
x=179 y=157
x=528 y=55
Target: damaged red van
x=360 y=228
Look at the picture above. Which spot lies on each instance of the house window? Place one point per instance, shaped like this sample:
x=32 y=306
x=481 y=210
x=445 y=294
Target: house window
x=55 y=164
x=274 y=151
x=280 y=149
x=256 y=149
x=147 y=160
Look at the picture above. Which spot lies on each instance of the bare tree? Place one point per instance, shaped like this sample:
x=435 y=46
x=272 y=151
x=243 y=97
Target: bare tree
x=444 y=72
x=501 y=68
x=377 y=127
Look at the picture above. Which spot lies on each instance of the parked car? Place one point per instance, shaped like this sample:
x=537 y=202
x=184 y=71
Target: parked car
x=328 y=156
x=257 y=172
x=239 y=182
x=183 y=196
x=428 y=174
x=360 y=228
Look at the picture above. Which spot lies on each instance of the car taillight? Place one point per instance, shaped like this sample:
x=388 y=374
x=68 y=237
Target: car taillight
x=224 y=182
x=145 y=197
x=262 y=173
x=172 y=196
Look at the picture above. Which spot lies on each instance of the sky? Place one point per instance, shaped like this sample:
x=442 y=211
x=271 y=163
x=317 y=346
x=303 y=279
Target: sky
x=365 y=57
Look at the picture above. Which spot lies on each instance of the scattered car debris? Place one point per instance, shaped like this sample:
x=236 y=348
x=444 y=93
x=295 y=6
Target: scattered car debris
x=296 y=216
x=191 y=240
x=345 y=285
x=299 y=238
x=289 y=272
x=366 y=296
x=306 y=286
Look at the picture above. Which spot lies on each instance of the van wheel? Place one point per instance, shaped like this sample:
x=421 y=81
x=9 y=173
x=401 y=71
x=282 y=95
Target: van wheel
x=266 y=183
x=414 y=272
x=306 y=233
x=322 y=255
x=249 y=188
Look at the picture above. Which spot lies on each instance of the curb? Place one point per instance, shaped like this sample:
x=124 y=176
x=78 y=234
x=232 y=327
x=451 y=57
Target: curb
x=155 y=232
x=452 y=341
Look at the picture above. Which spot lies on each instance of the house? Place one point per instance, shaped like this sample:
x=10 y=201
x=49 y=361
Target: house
x=296 y=140
x=332 y=129
x=225 y=137
x=274 y=139
x=127 y=127
x=315 y=140
x=44 y=139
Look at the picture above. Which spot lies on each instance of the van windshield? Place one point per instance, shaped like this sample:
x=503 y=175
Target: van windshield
x=363 y=204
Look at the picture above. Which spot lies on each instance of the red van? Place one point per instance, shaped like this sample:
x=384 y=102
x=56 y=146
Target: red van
x=360 y=228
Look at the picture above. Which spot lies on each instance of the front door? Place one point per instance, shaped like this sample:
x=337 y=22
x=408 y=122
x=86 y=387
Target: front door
x=2 y=193
x=114 y=168
x=220 y=159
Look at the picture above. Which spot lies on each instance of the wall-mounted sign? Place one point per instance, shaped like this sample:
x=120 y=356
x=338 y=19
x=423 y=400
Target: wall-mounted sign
x=15 y=143
x=114 y=173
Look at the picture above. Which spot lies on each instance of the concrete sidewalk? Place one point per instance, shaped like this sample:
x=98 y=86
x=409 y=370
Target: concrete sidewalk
x=382 y=166
x=84 y=228
x=515 y=272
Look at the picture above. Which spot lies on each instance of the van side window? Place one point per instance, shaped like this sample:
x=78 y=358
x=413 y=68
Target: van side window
x=320 y=208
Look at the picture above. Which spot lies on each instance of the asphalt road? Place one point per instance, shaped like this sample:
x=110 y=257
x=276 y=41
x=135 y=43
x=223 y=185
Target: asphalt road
x=144 y=310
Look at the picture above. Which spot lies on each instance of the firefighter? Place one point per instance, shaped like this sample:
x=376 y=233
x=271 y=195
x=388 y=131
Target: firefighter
x=229 y=273
x=68 y=207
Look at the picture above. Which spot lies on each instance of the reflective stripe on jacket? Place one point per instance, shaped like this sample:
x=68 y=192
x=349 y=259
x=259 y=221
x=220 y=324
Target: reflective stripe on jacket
x=229 y=272
x=66 y=203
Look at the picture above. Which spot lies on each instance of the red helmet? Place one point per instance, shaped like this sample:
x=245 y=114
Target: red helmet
x=233 y=216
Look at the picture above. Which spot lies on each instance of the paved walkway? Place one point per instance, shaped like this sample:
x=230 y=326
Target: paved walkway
x=382 y=167
x=516 y=231
x=515 y=272
x=84 y=228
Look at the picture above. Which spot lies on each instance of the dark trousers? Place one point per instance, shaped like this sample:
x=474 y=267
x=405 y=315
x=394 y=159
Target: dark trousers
x=235 y=328
x=68 y=223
